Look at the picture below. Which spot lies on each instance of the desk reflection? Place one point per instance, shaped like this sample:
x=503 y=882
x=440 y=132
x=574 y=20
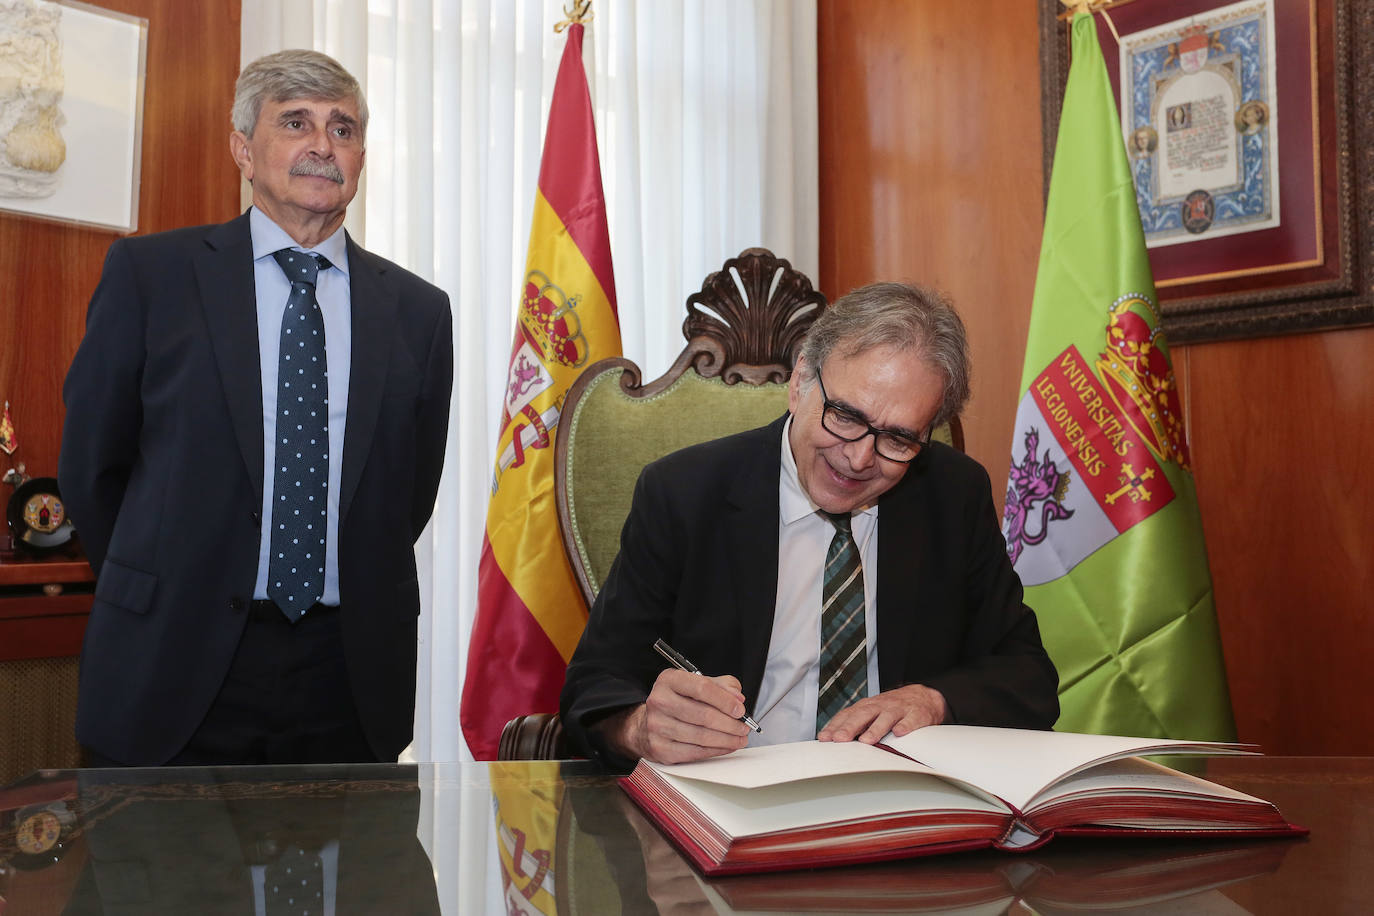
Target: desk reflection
x=561 y=839
x=333 y=840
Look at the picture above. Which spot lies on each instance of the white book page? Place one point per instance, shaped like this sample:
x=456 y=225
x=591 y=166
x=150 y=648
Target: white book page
x=1140 y=778
x=795 y=804
x=753 y=767
x=1015 y=764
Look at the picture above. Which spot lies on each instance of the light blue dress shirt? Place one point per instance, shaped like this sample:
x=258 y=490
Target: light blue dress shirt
x=333 y=292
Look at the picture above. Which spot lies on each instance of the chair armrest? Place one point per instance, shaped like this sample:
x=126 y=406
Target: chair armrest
x=537 y=736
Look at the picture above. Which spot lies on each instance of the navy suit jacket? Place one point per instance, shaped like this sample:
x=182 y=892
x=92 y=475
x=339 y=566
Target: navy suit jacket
x=161 y=470
x=698 y=566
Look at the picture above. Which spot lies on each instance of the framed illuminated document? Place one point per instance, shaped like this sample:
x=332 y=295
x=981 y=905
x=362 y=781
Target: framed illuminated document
x=1243 y=123
x=1199 y=111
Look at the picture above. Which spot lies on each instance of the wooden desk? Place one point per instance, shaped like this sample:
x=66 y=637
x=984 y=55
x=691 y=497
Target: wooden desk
x=187 y=841
x=44 y=604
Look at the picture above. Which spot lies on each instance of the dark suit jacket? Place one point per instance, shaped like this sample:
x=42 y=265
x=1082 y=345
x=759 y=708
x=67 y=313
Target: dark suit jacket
x=161 y=469
x=698 y=566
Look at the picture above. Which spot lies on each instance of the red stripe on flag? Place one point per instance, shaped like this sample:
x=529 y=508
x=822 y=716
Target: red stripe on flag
x=513 y=668
x=570 y=172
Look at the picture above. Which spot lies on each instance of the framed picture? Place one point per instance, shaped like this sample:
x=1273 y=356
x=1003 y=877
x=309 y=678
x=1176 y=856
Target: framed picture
x=1200 y=111
x=71 y=112
x=1243 y=122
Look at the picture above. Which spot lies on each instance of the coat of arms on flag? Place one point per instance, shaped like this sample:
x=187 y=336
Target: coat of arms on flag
x=8 y=441
x=1107 y=426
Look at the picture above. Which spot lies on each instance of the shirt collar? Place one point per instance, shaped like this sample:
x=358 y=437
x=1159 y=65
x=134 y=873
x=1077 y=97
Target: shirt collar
x=793 y=503
x=268 y=238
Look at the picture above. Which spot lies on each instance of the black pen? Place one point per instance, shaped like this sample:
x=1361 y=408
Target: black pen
x=680 y=661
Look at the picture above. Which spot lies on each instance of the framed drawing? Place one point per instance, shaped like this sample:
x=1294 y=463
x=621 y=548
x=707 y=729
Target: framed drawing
x=1243 y=122
x=71 y=112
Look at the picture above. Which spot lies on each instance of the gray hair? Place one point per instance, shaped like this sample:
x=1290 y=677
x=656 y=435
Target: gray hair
x=292 y=74
x=901 y=316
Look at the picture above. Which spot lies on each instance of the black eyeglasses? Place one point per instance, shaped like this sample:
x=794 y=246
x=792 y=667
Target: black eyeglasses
x=847 y=425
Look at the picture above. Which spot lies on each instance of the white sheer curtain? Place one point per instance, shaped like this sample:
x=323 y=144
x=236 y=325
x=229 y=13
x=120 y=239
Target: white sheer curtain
x=706 y=120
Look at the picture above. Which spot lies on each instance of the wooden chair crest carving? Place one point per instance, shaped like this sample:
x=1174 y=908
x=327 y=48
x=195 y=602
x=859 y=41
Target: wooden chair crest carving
x=748 y=321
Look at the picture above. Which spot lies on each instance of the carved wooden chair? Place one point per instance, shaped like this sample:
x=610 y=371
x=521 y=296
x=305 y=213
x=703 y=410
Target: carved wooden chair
x=744 y=330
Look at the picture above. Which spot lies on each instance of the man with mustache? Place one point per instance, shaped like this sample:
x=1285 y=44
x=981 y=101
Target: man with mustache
x=838 y=574
x=255 y=429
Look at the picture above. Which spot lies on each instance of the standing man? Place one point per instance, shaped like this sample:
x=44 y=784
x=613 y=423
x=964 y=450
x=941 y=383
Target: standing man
x=839 y=573
x=255 y=430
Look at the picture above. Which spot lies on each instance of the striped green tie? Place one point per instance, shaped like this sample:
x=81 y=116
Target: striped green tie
x=844 y=656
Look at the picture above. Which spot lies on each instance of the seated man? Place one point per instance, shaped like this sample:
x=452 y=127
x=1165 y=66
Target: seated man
x=839 y=573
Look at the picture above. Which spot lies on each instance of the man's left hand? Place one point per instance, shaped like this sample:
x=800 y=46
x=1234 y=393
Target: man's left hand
x=899 y=711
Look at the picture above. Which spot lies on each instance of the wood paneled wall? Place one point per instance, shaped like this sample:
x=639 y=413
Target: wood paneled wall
x=930 y=163
x=48 y=270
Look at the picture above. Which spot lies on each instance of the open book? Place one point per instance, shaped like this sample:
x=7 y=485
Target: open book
x=937 y=789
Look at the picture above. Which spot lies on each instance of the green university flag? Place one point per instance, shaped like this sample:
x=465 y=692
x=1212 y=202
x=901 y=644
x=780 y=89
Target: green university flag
x=1101 y=517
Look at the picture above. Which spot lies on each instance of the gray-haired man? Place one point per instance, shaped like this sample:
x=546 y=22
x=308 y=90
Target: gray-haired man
x=838 y=573
x=255 y=430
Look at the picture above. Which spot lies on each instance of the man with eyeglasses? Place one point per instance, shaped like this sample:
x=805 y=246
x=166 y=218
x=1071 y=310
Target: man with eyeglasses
x=836 y=574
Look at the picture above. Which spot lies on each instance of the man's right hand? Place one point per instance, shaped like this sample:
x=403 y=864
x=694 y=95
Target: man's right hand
x=686 y=717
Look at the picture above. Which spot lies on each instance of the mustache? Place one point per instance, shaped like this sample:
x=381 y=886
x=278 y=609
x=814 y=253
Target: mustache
x=318 y=169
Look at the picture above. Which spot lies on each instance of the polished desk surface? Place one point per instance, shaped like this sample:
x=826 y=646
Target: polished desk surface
x=561 y=838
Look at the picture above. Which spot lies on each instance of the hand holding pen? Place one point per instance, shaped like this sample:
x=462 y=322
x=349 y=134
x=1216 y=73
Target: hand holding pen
x=686 y=716
x=680 y=661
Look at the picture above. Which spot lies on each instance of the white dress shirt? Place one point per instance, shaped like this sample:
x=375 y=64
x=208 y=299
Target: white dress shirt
x=786 y=706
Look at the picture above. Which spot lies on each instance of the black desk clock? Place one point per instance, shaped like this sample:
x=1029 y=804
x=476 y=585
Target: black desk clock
x=37 y=516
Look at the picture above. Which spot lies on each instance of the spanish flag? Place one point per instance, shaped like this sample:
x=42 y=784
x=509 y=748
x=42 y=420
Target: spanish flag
x=530 y=612
x=1101 y=516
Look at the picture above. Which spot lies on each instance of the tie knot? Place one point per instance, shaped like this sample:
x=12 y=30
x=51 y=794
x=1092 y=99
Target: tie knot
x=840 y=520
x=301 y=266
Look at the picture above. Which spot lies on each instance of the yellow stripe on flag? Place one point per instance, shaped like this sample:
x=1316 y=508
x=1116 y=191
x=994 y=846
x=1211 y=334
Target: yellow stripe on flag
x=565 y=324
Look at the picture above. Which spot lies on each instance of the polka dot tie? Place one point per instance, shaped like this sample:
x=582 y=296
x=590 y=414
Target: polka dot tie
x=294 y=884
x=300 y=489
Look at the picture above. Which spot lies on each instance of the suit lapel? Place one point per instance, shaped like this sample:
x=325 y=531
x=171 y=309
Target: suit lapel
x=902 y=549
x=372 y=310
x=224 y=273
x=752 y=540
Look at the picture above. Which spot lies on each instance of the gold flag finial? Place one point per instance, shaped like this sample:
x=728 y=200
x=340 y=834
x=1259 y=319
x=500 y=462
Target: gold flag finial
x=578 y=12
x=1089 y=6
x=1094 y=6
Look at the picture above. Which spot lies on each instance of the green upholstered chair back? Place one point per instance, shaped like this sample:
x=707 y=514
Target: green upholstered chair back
x=743 y=329
x=613 y=435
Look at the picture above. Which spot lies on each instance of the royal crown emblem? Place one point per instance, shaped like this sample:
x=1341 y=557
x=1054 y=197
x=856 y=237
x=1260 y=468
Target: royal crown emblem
x=549 y=319
x=1138 y=375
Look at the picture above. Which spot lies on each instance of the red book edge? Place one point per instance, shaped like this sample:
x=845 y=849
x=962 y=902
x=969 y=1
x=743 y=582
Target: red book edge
x=795 y=862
